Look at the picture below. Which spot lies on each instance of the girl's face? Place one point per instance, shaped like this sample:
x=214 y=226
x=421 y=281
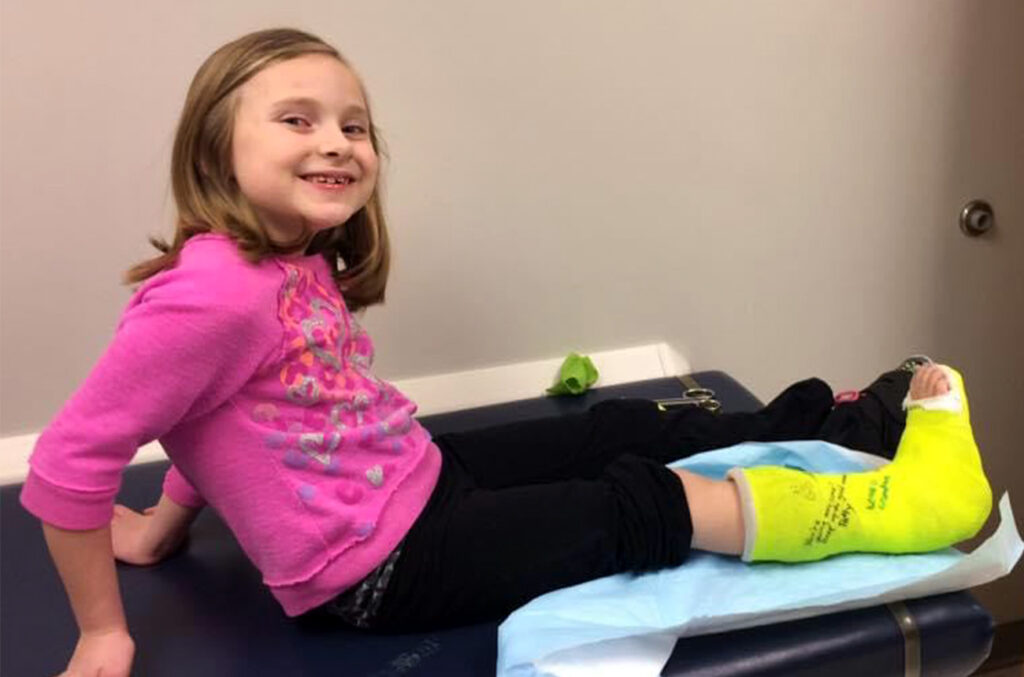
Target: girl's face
x=301 y=149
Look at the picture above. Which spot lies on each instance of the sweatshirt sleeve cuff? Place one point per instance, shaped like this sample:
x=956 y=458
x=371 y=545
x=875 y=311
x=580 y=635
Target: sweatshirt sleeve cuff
x=178 y=489
x=65 y=508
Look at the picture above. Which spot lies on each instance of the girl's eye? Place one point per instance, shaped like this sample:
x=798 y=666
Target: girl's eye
x=354 y=130
x=295 y=121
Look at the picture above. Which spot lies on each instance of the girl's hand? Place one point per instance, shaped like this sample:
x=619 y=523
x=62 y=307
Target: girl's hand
x=102 y=654
x=135 y=541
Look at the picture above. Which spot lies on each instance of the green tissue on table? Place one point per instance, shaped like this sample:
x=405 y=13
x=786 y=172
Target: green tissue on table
x=576 y=375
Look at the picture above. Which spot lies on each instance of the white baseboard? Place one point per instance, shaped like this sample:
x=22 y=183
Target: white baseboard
x=480 y=387
x=445 y=392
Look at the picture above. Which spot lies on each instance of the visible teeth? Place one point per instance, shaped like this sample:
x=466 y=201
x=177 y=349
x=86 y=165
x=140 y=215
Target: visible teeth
x=328 y=179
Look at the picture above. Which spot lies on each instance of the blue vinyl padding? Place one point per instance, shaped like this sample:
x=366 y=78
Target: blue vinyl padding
x=204 y=612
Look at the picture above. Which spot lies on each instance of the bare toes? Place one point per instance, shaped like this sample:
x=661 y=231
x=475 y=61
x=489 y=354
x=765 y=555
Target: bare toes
x=928 y=381
x=917 y=384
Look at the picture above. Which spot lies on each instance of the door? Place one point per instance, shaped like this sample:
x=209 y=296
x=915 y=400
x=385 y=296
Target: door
x=980 y=322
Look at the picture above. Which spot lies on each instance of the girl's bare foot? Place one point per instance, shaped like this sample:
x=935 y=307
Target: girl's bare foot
x=928 y=381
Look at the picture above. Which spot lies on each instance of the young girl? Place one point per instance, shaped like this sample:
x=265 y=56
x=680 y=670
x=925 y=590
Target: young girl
x=239 y=353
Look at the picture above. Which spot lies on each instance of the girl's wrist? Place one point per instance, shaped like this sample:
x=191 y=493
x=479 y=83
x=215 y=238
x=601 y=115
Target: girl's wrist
x=168 y=526
x=114 y=629
x=165 y=544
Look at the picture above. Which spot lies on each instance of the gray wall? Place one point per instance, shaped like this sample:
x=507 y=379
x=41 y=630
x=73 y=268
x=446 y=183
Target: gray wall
x=770 y=187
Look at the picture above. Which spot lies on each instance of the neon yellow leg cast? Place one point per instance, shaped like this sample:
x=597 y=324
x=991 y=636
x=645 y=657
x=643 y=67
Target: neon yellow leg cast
x=932 y=495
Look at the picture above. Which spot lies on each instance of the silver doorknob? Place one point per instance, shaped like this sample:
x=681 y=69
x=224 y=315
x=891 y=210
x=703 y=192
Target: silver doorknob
x=977 y=218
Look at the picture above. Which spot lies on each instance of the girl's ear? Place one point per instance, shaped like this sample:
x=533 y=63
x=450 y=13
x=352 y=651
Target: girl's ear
x=205 y=169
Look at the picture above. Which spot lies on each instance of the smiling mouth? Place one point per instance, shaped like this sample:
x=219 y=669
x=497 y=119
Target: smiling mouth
x=321 y=180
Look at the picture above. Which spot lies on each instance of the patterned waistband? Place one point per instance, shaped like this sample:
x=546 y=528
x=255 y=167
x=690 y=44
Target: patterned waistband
x=358 y=606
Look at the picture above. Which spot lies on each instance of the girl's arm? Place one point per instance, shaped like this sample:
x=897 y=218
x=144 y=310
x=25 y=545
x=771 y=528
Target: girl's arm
x=85 y=562
x=150 y=536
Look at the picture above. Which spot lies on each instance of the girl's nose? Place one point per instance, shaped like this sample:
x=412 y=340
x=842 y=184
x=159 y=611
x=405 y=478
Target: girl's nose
x=334 y=143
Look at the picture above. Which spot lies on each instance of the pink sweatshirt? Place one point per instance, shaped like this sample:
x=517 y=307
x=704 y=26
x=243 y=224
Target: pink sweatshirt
x=256 y=380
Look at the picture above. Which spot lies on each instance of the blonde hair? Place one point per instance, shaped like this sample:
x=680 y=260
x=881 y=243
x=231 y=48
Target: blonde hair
x=208 y=198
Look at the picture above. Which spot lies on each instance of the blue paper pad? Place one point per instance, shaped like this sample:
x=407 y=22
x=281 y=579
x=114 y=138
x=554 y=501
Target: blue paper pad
x=711 y=593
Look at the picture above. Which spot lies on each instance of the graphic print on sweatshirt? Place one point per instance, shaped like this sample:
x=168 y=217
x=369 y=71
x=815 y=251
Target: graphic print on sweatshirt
x=338 y=429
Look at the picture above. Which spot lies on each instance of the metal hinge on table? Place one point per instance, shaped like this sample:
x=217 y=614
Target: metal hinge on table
x=694 y=395
x=911 y=638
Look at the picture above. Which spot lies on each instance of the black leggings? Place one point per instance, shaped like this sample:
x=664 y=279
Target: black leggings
x=525 y=508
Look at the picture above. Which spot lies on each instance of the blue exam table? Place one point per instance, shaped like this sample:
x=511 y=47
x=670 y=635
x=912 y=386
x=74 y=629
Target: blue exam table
x=204 y=612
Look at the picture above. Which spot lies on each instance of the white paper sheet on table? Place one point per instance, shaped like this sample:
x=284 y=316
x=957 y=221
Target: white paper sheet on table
x=628 y=625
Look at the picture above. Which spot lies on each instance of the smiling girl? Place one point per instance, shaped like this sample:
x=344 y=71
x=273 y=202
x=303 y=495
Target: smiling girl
x=239 y=352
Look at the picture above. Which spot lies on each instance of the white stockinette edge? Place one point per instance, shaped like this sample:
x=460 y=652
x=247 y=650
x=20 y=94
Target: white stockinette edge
x=645 y=656
x=444 y=392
